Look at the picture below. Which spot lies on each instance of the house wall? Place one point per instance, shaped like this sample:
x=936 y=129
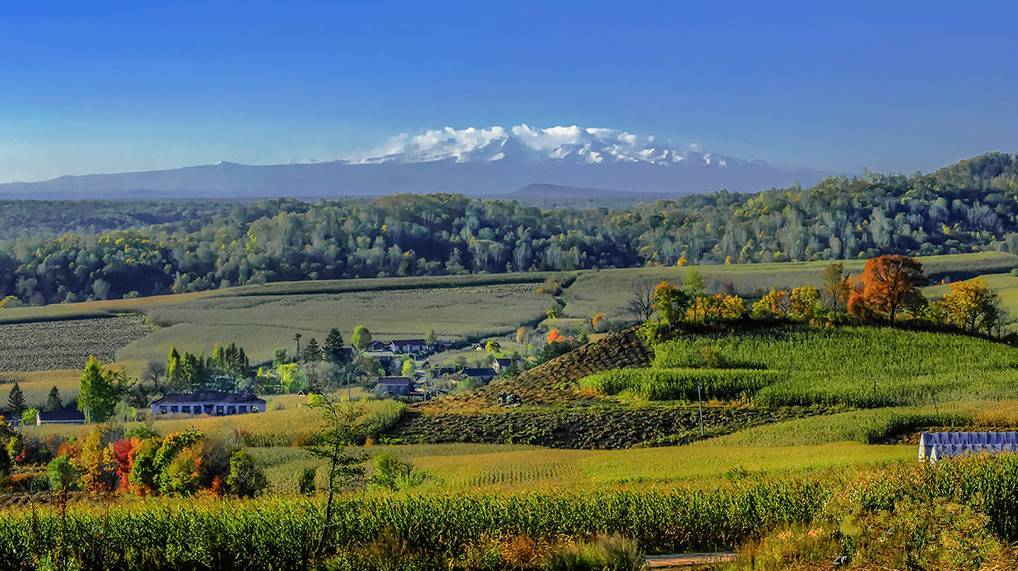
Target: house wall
x=211 y=408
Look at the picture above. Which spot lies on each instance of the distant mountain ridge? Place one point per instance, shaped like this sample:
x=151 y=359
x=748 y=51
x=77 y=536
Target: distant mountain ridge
x=469 y=161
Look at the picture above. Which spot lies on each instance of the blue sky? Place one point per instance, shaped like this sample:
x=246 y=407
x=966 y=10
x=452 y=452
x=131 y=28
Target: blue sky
x=108 y=86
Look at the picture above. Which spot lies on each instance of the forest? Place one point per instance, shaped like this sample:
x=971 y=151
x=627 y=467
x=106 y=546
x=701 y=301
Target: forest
x=52 y=252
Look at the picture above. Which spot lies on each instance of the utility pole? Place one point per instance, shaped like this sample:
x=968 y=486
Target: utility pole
x=699 y=405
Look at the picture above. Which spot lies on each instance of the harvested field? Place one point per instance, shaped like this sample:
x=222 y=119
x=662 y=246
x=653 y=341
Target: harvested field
x=66 y=344
x=594 y=428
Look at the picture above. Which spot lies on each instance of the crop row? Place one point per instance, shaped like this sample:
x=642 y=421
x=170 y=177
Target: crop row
x=688 y=384
x=281 y=533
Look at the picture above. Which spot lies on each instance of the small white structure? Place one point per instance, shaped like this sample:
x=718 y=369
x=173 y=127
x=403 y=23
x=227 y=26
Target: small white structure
x=934 y=446
x=207 y=402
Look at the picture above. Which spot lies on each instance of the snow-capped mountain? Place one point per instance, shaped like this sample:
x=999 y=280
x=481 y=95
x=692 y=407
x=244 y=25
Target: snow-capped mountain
x=583 y=145
x=475 y=161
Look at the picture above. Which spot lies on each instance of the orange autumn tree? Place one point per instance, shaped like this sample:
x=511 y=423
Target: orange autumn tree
x=886 y=284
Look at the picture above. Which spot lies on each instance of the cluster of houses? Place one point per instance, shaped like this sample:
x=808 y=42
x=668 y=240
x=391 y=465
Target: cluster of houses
x=390 y=355
x=428 y=383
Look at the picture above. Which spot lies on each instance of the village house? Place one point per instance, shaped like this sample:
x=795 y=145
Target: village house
x=394 y=386
x=407 y=346
x=207 y=402
x=60 y=417
x=500 y=364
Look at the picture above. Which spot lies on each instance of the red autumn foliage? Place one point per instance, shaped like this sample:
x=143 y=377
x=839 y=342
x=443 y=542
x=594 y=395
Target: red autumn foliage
x=123 y=457
x=555 y=336
x=886 y=284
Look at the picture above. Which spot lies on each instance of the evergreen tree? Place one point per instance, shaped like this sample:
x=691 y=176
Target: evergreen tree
x=333 y=348
x=313 y=352
x=53 y=400
x=173 y=368
x=16 y=401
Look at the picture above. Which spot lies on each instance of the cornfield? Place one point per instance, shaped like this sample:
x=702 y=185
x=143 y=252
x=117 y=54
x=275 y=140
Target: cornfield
x=676 y=384
x=280 y=533
x=857 y=366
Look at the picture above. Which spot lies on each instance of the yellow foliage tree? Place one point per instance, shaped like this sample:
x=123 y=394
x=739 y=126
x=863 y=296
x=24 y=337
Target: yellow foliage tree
x=774 y=304
x=804 y=303
x=972 y=305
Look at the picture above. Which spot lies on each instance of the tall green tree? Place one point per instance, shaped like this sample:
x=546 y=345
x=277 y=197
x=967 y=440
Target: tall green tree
x=312 y=352
x=53 y=400
x=100 y=390
x=16 y=401
x=333 y=348
x=173 y=368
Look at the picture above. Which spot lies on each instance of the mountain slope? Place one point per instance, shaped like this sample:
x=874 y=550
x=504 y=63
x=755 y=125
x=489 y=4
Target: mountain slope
x=467 y=161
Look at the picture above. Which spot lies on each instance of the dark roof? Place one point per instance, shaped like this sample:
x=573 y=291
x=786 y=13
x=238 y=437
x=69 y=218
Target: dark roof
x=61 y=415
x=479 y=372
x=395 y=380
x=409 y=342
x=207 y=396
x=502 y=361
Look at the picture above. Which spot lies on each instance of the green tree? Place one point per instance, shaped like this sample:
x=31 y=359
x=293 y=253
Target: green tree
x=695 y=284
x=100 y=390
x=430 y=338
x=361 y=337
x=409 y=369
x=29 y=416
x=245 y=479
x=313 y=352
x=173 y=369
x=333 y=347
x=53 y=400
x=62 y=474
x=345 y=468
x=16 y=400
x=670 y=302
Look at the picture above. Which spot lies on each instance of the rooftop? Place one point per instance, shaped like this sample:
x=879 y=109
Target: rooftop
x=208 y=396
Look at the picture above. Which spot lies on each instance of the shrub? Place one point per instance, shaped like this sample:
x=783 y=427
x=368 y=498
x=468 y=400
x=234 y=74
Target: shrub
x=245 y=478
x=393 y=473
x=307 y=481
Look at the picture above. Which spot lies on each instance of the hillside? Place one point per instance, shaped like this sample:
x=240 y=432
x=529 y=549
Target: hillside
x=618 y=392
x=139 y=249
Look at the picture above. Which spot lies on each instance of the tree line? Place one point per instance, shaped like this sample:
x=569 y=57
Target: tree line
x=143 y=248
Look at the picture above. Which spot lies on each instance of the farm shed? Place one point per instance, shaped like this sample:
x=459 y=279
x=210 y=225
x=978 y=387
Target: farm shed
x=60 y=417
x=936 y=445
x=397 y=386
x=482 y=374
x=207 y=402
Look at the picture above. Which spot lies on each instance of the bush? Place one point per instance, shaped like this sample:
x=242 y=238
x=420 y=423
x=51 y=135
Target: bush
x=394 y=474
x=307 y=481
x=246 y=479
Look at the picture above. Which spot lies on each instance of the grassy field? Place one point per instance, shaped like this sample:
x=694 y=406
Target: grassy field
x=1006 y=286
x=37 y=384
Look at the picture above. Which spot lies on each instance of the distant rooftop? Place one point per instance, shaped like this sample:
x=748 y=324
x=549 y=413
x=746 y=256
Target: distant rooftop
x=208 y=396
